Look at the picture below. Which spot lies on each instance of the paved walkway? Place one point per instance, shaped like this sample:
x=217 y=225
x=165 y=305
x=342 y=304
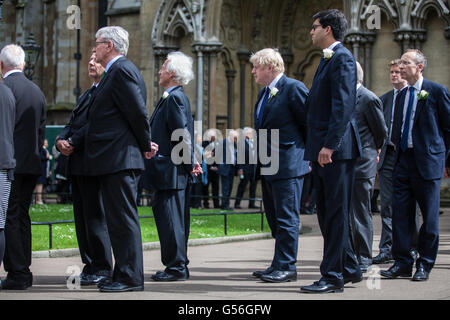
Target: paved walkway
x=223 y=271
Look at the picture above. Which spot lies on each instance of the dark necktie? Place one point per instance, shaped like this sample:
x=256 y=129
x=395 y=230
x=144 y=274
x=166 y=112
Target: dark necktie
x=263 y=103
x=405 y=133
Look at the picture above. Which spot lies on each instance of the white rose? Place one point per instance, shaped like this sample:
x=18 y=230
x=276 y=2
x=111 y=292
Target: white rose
x=327 y=53
x=165 y=94
x=423 y=94
x=273 y=92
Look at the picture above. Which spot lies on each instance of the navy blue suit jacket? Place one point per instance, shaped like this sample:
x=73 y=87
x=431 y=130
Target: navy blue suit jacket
x=331 y=108
x=171 y=113
x=118 y=131
x=431 y=129
x=286 y=112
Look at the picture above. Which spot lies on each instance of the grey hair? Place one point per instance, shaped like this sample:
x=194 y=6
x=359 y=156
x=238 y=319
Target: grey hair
x=181 y=65
x=118 y=36
x=359 y=73
x=12 y=55
x=420 y=57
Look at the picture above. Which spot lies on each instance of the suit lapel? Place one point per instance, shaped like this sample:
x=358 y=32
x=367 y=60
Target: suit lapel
x=388 y=108
x=268 y=107
x=255 y=116
x=421 y=103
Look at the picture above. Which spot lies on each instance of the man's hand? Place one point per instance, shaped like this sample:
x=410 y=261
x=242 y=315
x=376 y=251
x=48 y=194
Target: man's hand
x=325 y=156
x=197 y=169
x=153 y=150
x=64 y=147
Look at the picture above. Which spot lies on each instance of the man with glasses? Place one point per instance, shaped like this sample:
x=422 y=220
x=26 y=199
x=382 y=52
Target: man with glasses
x=117 y=137
x=421 y=135
x=332 y=146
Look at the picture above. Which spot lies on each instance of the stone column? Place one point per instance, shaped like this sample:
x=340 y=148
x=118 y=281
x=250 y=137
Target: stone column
x=199 y=108
x=230 y=74
x=243 y=56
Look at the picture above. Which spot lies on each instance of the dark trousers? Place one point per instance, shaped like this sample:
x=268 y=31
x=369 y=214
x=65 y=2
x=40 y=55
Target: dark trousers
x=17 y=260
x=334 y=183
x=227 y=186
x=118 y=193
x=281 y=200
x=241 y=189
x=361 y=224
x=409 y=187
x=195 y=200
x=90 y=226
x=172 y=217
x=213 y=180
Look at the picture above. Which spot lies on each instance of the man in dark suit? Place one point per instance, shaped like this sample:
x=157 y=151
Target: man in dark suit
x=247 y=168
x=209 y=146
x=332 y=146
x=280 y=111
x=169 y=171
x=421 y=134
x=29 y=135
x=117 y=136
x=385 y=165
x=90 y=223
x=226 y=166
x=372 y=132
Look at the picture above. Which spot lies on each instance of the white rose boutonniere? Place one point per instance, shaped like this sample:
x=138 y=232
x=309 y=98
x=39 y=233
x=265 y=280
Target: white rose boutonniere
x=422 y=95
x=273 y=93
x=327 y=54
x=165 y=94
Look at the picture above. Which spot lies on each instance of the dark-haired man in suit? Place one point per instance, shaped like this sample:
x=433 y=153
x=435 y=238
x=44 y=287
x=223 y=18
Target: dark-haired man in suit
x=332 y=146
x=90 y=223
x=280 y=109
x=421 y=135
x=169 y=171
x=117 y=137
x=29 y=135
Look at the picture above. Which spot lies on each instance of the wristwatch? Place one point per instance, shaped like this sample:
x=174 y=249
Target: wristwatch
x=70 y=141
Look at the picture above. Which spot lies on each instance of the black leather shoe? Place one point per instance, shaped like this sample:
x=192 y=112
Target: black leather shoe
x=163 y=276
x=382 y=258
x=420 y=275
x=364 y=267
x=91 y=279
x=15 y=284
x=258 y=274
x=395 y=271
x=353 y=279
x=414 y=254
x=278 y=276
x=321 y=287
x=120 y=287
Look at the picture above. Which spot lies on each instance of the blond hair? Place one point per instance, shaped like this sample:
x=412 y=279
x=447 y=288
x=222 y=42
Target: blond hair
x=269 y=57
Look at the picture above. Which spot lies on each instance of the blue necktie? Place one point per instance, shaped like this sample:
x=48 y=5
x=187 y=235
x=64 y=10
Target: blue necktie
x=405 y=133
x=261 y=109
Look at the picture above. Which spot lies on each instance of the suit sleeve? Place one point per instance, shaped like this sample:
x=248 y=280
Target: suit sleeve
x=375 y=120
x=177 y=120
x=444 y=116
x=343 y=98
x=297 y=103
x=129 y=98
x=41 y=131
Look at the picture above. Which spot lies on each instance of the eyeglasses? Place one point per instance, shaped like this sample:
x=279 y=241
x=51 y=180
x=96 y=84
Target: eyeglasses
x=315 y=26
x=98 y=42
x=404 y=62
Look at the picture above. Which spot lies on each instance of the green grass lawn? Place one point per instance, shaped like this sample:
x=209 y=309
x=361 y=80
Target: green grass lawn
x=64 y=235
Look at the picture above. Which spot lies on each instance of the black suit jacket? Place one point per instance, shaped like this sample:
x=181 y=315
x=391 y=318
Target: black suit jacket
x=8 y=112
x=372 y=131
x=387 y=100
x=29 y=131
x=172 y=113
x=331 y=108
x=76 y=129
x=118 y=129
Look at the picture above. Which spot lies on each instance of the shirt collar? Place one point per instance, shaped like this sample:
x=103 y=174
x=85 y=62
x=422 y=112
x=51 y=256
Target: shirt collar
x=418 y=85
x=110 y=63
x=169 y=90
x=10 y=72
x=358 y=85
x=334 y=44
x=275 y=81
